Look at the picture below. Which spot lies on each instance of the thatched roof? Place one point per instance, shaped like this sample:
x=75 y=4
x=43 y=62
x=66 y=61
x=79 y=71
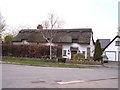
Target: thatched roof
x=81 y=36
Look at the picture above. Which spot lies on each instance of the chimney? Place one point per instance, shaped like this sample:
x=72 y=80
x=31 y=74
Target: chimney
x=39 y=26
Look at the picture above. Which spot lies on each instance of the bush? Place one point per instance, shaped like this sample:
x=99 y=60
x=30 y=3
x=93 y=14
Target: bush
x=79 y=56
x=63 y=60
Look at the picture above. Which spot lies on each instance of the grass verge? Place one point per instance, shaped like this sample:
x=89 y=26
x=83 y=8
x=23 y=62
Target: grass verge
x=24 y=61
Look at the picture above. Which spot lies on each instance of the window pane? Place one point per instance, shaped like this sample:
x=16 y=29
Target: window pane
x=117 y=43
x=83 y=52
x=74 y=40
x=64 y=53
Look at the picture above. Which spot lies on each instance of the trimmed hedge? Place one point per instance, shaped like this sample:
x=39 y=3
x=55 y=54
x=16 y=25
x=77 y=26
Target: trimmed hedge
x=32 y=51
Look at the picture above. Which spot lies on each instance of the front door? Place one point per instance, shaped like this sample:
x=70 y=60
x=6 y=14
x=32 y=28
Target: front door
x=73 y=53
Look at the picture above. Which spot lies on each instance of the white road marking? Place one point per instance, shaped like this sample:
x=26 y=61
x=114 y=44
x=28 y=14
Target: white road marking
x=81 y=81
x=70 y=82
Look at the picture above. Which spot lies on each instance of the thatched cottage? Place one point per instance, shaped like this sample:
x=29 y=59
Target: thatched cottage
x=73 y=41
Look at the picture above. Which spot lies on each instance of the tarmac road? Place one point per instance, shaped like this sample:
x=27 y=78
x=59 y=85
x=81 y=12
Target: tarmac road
x=21 y=76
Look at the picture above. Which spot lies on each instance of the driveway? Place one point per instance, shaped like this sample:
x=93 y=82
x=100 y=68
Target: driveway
x=111 y=65
x=21 y=76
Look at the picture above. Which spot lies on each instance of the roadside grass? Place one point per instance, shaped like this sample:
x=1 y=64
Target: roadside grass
x=24 y=61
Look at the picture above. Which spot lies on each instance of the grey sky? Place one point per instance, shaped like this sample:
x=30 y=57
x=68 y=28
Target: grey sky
x=100 y=15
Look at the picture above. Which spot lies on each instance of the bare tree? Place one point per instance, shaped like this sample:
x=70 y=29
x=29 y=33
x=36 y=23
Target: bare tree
x=46 y=24
x=53 y=22
x=50 y=25
x=2 y=26
x=15 y=30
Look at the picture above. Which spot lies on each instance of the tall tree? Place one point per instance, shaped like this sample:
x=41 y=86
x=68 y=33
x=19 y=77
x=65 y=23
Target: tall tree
x=8 y=39
x=50 y=25
x=98 y=51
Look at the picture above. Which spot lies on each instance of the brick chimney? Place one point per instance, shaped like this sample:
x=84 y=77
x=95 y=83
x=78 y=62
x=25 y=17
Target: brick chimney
x=39 y=26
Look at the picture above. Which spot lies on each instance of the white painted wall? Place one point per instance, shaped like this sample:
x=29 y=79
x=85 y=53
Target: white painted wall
x=66 y=47
x=23 y=42
x=92 y=47
x=119 y=49
x=112 y=51
x=80 y=47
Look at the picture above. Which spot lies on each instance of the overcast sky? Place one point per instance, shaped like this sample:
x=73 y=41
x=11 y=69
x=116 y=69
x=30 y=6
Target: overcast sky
x=100 y=15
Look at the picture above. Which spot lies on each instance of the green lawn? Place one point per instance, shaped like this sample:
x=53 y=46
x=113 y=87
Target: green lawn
x=41 y=63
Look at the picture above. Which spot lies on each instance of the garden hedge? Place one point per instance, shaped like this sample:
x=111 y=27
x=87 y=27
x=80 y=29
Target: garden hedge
x=32 y=51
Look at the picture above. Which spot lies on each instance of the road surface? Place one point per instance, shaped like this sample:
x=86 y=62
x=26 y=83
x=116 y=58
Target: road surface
x=21 y=76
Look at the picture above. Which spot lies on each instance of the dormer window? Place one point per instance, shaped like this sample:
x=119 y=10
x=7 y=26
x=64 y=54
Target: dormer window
x=74 y=40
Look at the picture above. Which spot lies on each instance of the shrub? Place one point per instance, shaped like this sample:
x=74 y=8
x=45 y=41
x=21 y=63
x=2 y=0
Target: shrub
x=63 y=60
x=79 y=56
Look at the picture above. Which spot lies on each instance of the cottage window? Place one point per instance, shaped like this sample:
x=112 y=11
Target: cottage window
x=74 y=40
x=117 y=43
x=64 y=52
x=83 y=52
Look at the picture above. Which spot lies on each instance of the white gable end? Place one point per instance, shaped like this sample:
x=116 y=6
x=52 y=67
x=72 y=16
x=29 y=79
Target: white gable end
x=112 y=51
